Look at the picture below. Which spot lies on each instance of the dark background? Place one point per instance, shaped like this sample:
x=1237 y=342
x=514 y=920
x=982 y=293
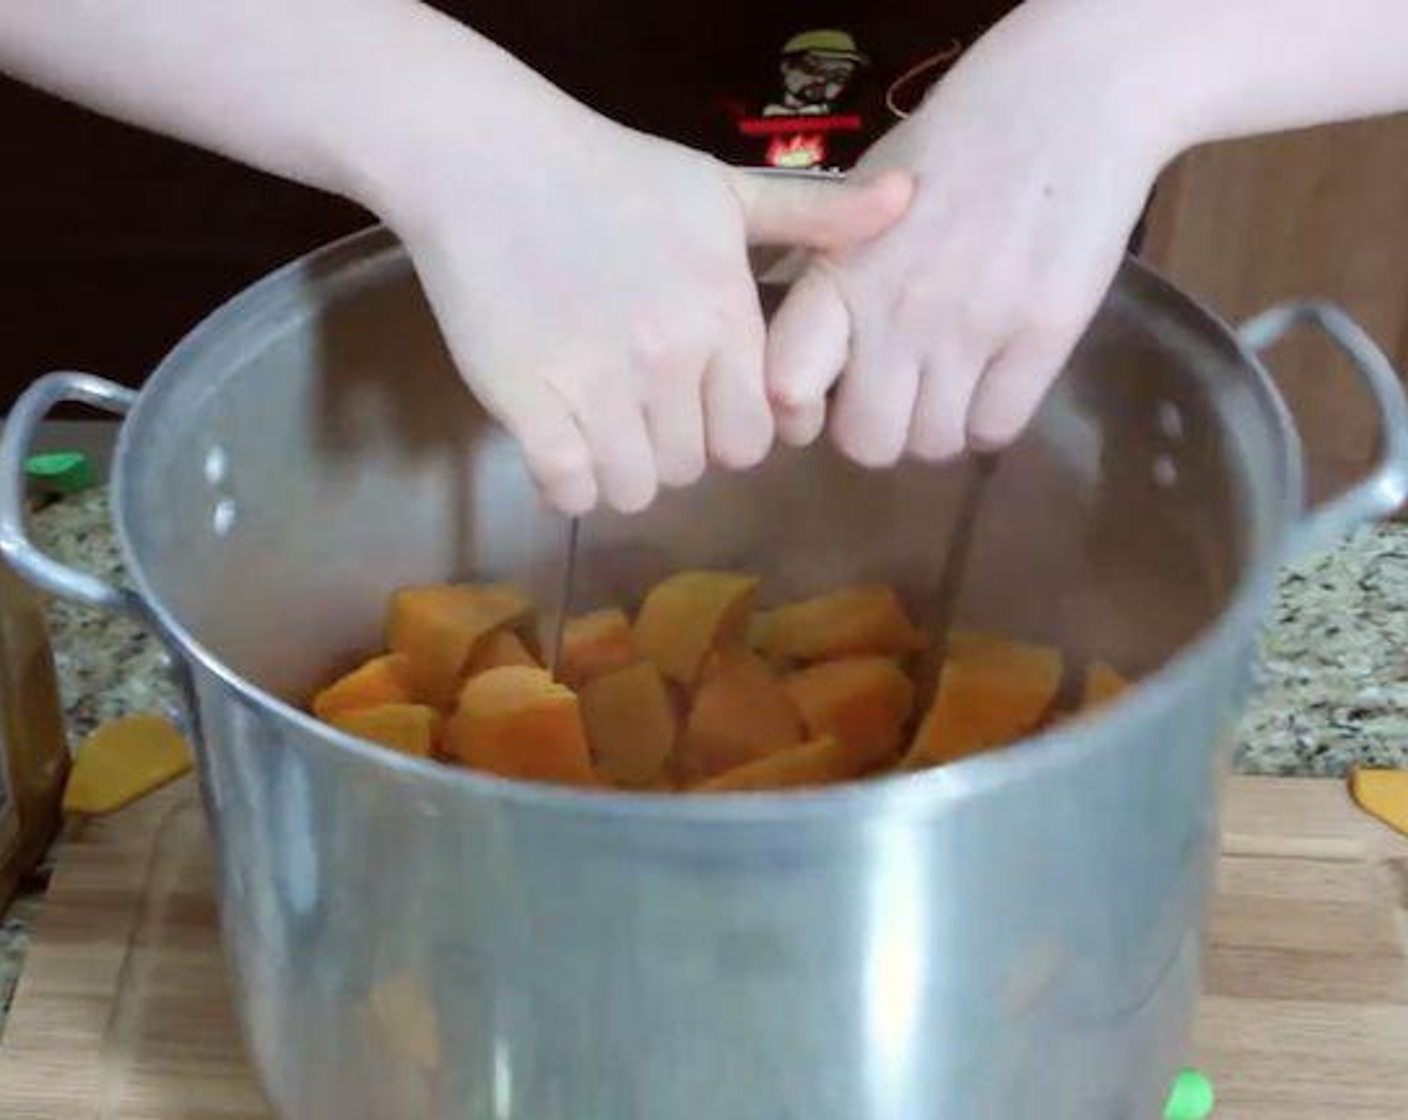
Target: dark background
x=119 y=241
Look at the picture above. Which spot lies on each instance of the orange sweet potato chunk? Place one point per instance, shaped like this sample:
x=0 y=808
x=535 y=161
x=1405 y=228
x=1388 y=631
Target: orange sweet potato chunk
x=818 y=762
x=502 y=647
x=992 y=692
x=690 y=615
x=594 y=644
x=741 y=712
x=517 y=722
x=405 y=728
x=847 y=622
x=382 y=680
x=861 y=702
x=438 y=628
x=631 y=724
x=1102 y=685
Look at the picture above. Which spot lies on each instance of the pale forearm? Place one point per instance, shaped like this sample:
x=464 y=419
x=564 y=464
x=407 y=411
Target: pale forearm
x=337 y=94
x=1034 y=157
x=1201 y=70
x=1268 y=65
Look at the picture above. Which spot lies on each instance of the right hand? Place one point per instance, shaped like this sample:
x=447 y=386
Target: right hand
x=593 y=286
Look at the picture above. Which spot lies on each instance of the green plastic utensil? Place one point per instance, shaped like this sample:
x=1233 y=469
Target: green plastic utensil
x=1191 y=1097
x=61 y=472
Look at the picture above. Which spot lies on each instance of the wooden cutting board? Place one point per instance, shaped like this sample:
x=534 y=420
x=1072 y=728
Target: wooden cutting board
x=122 y=1012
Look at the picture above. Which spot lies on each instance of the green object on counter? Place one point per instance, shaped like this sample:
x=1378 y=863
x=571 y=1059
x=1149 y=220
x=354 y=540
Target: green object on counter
x=61 y=472
x=1191 y=1097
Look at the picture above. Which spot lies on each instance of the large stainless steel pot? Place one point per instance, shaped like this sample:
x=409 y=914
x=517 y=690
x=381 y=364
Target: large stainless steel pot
x=1011 y=937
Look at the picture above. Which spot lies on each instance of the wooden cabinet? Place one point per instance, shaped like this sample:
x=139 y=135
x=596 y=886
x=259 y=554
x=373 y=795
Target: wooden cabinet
x=1323 y=212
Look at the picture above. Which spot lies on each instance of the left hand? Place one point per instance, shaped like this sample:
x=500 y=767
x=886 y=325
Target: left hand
x=1032 y=164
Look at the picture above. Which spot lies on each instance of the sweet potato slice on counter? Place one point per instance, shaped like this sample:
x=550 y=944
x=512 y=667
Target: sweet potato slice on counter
x=817 y=762
x=502 y=647
x=1382 y=794
x=688 y=616
x=382 y=680
x=405 y=728
x=992 y=692
x=518 y=722
x=123 y=760
x=847 y=622
x=1102 y=685
x=741 y=712
x=439 y=627
x=594 y=644
x=631 y=724
x=862 y=702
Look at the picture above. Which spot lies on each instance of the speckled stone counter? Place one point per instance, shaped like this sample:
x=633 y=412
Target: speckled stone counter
x=108 y=665
x=1334 y=664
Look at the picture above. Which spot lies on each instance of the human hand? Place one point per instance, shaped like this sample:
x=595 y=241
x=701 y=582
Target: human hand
x=594 y=288
x=1032 y=164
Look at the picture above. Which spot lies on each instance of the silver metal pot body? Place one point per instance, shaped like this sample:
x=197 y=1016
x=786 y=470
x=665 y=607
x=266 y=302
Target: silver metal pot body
x=1010 y=937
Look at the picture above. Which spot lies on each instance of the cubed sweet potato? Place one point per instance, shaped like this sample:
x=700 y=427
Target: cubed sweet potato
x=862 y=702
x=818 y=762
x=594 y=644
x=382 y=680
x=439 y=627
x=690 y=615
x=631 y=724
x=406 y=728
x=740 y=713
x=992 y=692
x=502 y=647
x=847 y=622
x=517 y=722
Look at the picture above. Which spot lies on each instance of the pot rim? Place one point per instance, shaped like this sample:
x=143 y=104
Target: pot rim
x=919 y=793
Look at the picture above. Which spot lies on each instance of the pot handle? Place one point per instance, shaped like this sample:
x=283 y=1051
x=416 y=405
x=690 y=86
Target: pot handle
x=43 y=571
x=24 y=555
x=1385 y=490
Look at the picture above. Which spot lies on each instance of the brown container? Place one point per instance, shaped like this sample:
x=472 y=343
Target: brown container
x=34 y=758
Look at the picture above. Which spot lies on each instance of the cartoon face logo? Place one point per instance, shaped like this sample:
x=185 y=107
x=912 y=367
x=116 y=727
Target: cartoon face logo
x=817 y=66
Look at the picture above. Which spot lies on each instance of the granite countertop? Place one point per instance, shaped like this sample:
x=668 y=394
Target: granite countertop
x=1334 y=666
